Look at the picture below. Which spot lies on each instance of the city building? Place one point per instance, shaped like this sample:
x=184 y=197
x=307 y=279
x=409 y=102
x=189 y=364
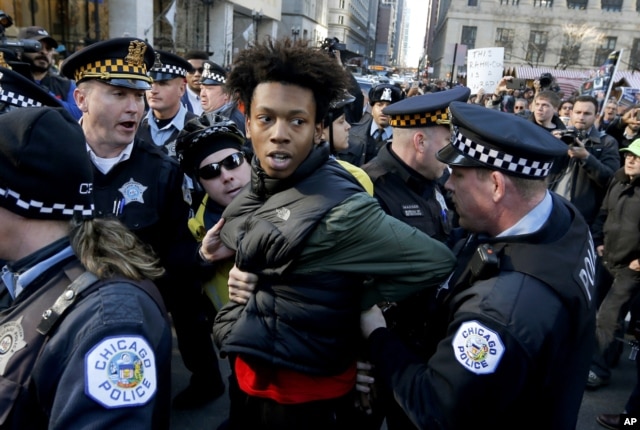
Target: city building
x=574 y=34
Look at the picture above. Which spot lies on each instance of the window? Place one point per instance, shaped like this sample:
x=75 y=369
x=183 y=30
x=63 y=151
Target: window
x=472 y=2
x=536 y=47
x=543 y=3
x=611 y=5
x=469 y=36
x=635 y=55
x=570 y=51
x=341 y=5
x=507 y=2
x=577 y=4
x=341 y=19
x=603 y=51
x=504 y=38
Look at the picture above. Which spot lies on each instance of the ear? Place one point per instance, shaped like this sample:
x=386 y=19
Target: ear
x=317 y=135
x=419 y=142
x=247 y=127
x=498 y=185
x=80 y=97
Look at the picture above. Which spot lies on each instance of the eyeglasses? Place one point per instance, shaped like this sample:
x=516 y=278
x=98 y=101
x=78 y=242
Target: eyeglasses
x=213 y=170
x=197 y=69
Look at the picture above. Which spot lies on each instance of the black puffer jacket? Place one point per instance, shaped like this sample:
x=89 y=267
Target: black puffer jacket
x=296 y=321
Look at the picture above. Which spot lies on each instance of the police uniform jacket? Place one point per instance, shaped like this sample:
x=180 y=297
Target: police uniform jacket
x=406 y=195
x=104 y=364
x=518 y=338
x=589 y=178
x=618 y=224
x=311 y=245
x=169 y=146
x=147 y=193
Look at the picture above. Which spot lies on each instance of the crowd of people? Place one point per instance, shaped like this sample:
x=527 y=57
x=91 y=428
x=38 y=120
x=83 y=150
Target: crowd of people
x=358 y=258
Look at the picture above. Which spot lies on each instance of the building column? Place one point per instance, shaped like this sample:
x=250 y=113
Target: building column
x=131 y=19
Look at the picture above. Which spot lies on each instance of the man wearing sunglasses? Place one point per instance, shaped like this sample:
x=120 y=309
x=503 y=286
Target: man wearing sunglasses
x=191 y=97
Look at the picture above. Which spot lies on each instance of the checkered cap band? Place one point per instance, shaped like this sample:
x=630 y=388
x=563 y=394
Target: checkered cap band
x=18 y=99
x=499 y=159
x=113 y=68
x=37 y=207
x=423 y=119
x=172 y=69
x=213 y=76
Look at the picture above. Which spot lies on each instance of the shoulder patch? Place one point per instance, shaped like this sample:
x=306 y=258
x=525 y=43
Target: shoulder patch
x=121 y=372
x=477 y=348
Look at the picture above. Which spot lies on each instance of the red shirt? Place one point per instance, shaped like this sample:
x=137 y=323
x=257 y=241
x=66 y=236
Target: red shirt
x=288 y=386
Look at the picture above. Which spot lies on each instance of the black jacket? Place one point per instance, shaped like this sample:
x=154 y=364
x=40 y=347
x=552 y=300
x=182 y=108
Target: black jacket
x=589 y=178
x=618 y=223
x=518 y=337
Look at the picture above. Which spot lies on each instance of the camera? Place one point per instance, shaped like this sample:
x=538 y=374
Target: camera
x=24 y=45
x=570 y=135
x=545 y=80
x=332 y=44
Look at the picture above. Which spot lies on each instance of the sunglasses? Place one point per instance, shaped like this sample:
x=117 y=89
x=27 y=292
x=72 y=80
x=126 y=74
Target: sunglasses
x=199 y=70
x=213 y=170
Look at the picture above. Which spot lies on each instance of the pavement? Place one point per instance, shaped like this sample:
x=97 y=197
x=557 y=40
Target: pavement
x=608 y=399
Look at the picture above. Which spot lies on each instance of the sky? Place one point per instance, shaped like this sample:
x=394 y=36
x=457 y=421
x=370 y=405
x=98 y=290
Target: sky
x=417 y=27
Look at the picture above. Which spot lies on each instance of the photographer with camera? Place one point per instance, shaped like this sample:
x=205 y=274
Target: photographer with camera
x=41 y=66
x=592 y=158
x=354 y=110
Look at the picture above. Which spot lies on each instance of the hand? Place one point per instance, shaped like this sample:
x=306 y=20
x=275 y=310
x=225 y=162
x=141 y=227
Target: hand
x=600 y=250
x=578 y=150
x=502 y=85
x=630 y=118
x=371 y=320
x=365 y=390
x=635 y=265
x=212 y=249
x=241 y=285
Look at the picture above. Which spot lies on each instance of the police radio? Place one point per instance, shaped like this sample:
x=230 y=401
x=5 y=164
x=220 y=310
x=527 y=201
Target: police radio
x=485 y=262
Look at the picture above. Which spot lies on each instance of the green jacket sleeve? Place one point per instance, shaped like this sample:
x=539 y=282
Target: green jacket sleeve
x=357 y=236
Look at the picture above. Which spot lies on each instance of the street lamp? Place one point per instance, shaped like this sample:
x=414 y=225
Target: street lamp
x=295 y=31
x=257 y=18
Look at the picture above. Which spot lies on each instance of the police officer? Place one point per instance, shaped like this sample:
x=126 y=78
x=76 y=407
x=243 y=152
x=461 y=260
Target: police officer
x=518 y=332
x=86 y=341
x=405 y=172
x=215 y=97
x=407 y=182
x=143 y=187
x=367 y=137
x=167 y=115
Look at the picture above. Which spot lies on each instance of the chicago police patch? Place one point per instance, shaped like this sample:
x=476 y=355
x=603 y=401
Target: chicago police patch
x=120 y=372
x=477 y=348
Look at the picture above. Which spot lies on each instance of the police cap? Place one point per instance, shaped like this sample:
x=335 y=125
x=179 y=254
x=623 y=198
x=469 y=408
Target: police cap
x=212 y=74
x=169 y=66
x=122 y=62
x=425 y=110
x=16 y=90
x=385 y=93
x=488 y=138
